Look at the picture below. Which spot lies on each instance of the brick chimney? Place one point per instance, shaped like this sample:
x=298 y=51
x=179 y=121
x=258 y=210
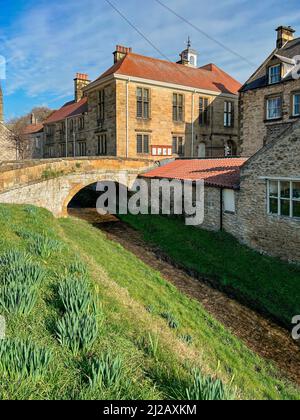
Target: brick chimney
x=80 y=82
x=121 y=52
x=284 y=34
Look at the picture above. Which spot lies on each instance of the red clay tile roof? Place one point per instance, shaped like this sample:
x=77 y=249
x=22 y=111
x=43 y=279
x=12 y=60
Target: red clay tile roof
x=70 y=109
x=33 y=128
x=221 y=173
x=208 y=77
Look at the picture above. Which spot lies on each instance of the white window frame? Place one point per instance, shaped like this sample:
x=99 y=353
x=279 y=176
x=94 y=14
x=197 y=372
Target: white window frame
x=291 y=199
x=228 y=114
x=274 y=75
x=229 y=201
x=268 y=108
x=294 y=103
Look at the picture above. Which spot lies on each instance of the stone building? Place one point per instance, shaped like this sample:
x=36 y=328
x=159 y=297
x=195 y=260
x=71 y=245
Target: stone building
x=221 y=181
x=268 y=205
x=147 y=107
x=8 y=144
x=270 y=99
x=34 y=139
x=257 y=200
x=65 y=131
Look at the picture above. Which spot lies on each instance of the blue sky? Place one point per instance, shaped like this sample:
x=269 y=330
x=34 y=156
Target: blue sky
x=46 y=42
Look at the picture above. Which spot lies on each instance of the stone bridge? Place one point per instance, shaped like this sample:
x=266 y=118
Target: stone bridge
x=53 y=183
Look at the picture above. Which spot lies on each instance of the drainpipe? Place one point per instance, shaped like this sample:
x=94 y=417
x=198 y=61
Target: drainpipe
x=221 y=209
x=74 y=143
x=66 y=128
x=193 y=103
x=127 y=117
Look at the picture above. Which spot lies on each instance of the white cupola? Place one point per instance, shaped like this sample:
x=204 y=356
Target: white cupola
x=189 y=57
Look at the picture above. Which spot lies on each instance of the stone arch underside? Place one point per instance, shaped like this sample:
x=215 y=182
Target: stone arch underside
x=55 y=194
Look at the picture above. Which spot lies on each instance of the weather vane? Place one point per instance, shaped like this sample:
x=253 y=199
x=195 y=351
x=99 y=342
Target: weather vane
x=189 y=43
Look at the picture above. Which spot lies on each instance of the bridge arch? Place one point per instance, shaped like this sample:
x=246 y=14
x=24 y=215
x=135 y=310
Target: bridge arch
x=120 y=179
x=53 y=183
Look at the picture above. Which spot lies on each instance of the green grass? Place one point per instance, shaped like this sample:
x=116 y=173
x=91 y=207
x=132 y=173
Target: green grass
x=136 y=355
x=268 y=284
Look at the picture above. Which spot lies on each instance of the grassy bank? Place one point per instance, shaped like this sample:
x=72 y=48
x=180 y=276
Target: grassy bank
x=149 y=342
x=270 y=285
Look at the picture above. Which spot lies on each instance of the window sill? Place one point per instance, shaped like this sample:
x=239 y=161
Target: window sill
x=232 y=213
x=274 y=83
x=140 y=119
x=286 y=218
x=294 y=117
x=274 y=120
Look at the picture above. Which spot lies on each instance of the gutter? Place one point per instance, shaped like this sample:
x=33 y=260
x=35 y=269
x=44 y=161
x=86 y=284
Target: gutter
x=193 y=104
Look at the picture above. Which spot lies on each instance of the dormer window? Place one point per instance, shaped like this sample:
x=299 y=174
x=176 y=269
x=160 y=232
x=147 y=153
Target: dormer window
x=275 y=74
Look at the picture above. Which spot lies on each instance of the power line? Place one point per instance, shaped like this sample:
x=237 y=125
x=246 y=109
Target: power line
x=137 y=30
x=204 y=33
x=185 y=74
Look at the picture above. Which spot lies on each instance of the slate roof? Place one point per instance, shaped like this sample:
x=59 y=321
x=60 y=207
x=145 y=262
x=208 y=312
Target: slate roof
x=70 y=109
x=209 y=77
x=285 y=54
x=220 y=173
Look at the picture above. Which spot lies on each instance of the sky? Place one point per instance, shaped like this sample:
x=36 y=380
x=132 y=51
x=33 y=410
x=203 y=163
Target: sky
x=44 y=43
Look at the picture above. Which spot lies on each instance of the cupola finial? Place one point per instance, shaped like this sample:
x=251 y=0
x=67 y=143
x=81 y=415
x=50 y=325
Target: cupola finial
x=189 y=42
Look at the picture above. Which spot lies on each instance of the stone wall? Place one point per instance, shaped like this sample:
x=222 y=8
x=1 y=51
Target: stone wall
x=8 y=151
x=212 y=210
x=160 y=126
x=255 y=131
x=275 y=235
x=53 y=184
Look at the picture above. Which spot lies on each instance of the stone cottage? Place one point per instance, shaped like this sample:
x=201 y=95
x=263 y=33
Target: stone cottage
x=268 y=205
x=221 y=181
x=257 y=200
x=270 y=99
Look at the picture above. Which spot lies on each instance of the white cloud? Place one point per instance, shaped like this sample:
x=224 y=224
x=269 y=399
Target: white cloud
x=54 y=40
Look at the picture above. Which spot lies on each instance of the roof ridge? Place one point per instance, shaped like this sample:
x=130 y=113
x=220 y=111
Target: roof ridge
x=156 y=69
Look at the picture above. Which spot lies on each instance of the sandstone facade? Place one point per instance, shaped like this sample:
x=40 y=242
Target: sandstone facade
x=121 y=126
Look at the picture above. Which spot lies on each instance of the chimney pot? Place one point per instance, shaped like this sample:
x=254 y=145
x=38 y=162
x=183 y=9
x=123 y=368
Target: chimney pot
x=284 y=35
x=121 y=52
x=80 y=82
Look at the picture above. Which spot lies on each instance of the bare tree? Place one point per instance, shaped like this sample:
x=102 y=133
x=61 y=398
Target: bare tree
x=18 y=126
